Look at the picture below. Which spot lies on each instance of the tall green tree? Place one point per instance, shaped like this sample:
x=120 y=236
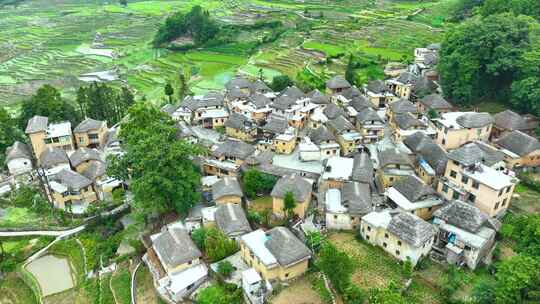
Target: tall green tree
x=515 y=279
x=256 y=182
x=47 y=101
x=480 y=57
x=9 y=133
x=517 y=7
x=289 y=203
x=163 y=175
x=169 y=91
x=337 y=266
x=103 y=102
x=280 y=82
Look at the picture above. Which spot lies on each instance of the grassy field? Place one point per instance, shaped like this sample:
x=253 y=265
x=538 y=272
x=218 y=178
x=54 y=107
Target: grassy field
x=13 y=290
x=52 y=42
x=146 y=292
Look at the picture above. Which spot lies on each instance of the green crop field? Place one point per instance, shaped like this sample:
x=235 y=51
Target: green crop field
x=56 y=42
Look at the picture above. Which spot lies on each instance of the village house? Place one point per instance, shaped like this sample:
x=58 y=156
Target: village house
x=363 y=171
x=394 y=69
x=53 y=160
x=255 y=288
x=402 y=106
x=508 y=121
x=457 y=128
x=277 y=254
x=81 y=158
x=411 y=194
x=71 y=191
x=466 y=236
x=207 y=110
x=378 y=93
x=284 y=143
x=91 y=133
x=321 y=142
x=18 y=158
x=393 y=166
x=175 y=263
x=521 y=151
x=231 y=220
x=427 y=58
x=402 y=85
x=226 y=158
x=370 y=125
x=317 y=119
x=43 y=135
x=300 y=187
x=337 y=170
x=434 y=102
x=468 y=179
x=344 y=207
x=430 y=159
x=346 y=134
x=240 y=127
x=406 y=124
x=336 y=85
x=259 y=107
x=227 y=190
x=405 y=236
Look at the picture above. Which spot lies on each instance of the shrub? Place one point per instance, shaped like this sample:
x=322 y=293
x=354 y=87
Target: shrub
x=225 y=269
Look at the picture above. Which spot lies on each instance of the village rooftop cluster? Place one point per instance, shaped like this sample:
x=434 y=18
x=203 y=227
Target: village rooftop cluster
x=392 y=161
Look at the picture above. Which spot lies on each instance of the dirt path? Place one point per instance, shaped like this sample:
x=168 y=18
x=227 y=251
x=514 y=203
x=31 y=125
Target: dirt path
x=299 y=292
x=111 y=287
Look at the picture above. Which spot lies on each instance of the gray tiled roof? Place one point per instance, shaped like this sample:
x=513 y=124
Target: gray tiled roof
x=360 y=103
x=362 y=168
x=407 y=120
x=37 y=124
x=276 y=124
x=260 y=86
x=72 y=180
x=320 y=135
x=318 y=98
x=84 y=154
x=238 y=82
x=402 y=106
x=285 y=246
x=368 y=114
x=407 y=78
x=294 y=183
x=211 y=99
x=416 y=141
x=53 y=156
x=340 y=124
x=424 y=85
x=226 y=186
x=332 y=111
x=239 y=122
x=260 y=101
x=435 y=156
x=283 y=102
x=18 y=150
x=474 y=120
x=472 y=153
x=293 y=92
x=411 y=229
x=510 y=120
x=436 y=102
x=393 y=156
x=462 y=215
x=351 y=93
x=234 y=148
x=236 y=93
x=413 y=188
x=519 y=143
x=377 y=86
x=175 y=247
x=94 y=170
x=357 y=196
x=88 y=124
x=168 y=108
x=337 y=82
x=231 y=219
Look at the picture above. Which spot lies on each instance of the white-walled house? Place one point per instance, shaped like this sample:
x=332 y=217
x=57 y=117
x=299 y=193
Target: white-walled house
x=18 y=158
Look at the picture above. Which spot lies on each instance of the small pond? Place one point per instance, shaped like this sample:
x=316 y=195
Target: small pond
x=52 y=273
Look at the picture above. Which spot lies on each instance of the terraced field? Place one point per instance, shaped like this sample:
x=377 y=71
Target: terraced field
x=43 y=41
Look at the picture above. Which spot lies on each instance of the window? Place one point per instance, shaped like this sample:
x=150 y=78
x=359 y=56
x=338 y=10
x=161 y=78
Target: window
x=368 y=228
x=501 y=192
x=335 y=217
x=475 y=185
x=384 y=245
x=455 y=195
x=504 y=202
x=464 y=179
x=455 y=163
x=93 y=136
x=471 y=198
x=286 y=275
x=496 y=206
x=445 y=188
x=399 y=243
x=386 y=235
x=391 y=179
x=430 y=208
x=397 y=252
x=444 y=142
x=367 y=237
x=508 y=189
x=81 y=139
x=453 y=174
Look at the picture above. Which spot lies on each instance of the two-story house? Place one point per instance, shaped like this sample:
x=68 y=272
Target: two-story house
x=370 y=125
x=457 y=128
x=231 y=220
x=91 y=133
x=300 y=187
x=412 y=195
x=521 y=151
x=393 y=166
x=345 y=207
x=227 y=190
x=226 y=158
x=42 y=135
x=240 y=127
x=346 y=134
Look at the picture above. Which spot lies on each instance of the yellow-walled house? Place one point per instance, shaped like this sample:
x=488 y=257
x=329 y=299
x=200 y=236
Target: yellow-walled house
x=521 y=150
x=226 y=158
x=43 y=135
x=240 y=127
x=71 y=191
x=284 y=143
x=91 y=133
x=468 y=179
x=434 y=102
x=277 y=254
x=403 y=235
x=393 y=166
x=412 y=195
x=457 y=128
x=370 y=125
x=227 y=190
x=301 y=189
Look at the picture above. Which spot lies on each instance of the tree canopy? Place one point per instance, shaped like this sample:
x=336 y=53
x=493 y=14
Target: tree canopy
x=280 y=82
x=9 y=133
x=48 y=102
x=480 y=58
x=218 y=294
x=103 y=102
x=161 y=169
x=196 y=24
x=256 y=182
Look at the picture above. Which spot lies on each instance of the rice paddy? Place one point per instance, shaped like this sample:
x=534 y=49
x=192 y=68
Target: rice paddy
x=57 y=42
